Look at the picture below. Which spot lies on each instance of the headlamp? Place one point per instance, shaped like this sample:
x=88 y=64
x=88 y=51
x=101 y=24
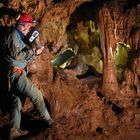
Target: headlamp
x=32 y=35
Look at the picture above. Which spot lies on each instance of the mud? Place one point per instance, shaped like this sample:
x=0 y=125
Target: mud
x=90 y=106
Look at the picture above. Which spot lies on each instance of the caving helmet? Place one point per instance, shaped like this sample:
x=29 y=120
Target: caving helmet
x=25 y=19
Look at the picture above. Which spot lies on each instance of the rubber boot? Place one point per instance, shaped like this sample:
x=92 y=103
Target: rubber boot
x=50 y=123
x=15 y=133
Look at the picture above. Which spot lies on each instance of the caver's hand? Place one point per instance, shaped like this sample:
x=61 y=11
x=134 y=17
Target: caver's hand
x=38 y=51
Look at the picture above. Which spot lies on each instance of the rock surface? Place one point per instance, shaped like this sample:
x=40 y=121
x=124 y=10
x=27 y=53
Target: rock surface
x=88 y=108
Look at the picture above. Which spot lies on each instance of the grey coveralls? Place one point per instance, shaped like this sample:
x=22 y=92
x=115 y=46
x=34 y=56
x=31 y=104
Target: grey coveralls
x=18 y=54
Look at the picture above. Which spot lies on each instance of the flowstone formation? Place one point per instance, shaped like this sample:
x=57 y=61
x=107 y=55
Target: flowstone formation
x=89 y=71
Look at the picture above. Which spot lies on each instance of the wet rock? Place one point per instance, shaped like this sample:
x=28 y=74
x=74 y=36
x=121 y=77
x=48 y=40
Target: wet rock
x=86 y=111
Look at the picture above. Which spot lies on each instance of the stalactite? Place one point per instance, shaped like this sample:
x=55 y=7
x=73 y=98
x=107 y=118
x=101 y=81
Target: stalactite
x=110 y=84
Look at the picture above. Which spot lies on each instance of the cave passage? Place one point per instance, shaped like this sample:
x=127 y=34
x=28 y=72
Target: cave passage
x=83 y=43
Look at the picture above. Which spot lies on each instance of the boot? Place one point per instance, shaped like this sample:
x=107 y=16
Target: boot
x=50 y=123
x=15 y=133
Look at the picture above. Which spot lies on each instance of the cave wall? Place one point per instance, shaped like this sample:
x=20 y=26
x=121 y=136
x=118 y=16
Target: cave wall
x=83 y=112
x=121 y=21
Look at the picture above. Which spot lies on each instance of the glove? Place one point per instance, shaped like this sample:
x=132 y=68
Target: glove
x=37 y=43
x=38 y=51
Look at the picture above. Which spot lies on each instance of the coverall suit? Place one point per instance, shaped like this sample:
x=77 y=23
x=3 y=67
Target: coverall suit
x=16 y=54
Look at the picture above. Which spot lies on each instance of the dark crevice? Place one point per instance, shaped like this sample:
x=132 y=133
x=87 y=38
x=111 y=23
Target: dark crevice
x=132 y=56
x=7 y=11
x=130 y=3
x=91 y=72
x=137 y=104
x=114 y=106
x=99 y=130
x=116 y=109
x=56 y=1
x=5 y=2
x=81 y=13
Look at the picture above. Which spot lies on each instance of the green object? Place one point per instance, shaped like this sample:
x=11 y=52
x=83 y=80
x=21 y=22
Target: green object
x=94 y=58
x=121 y=59
x=121 y=56
x=63 y=57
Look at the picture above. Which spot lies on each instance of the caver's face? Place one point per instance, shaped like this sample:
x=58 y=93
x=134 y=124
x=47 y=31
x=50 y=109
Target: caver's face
x=25 y=29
